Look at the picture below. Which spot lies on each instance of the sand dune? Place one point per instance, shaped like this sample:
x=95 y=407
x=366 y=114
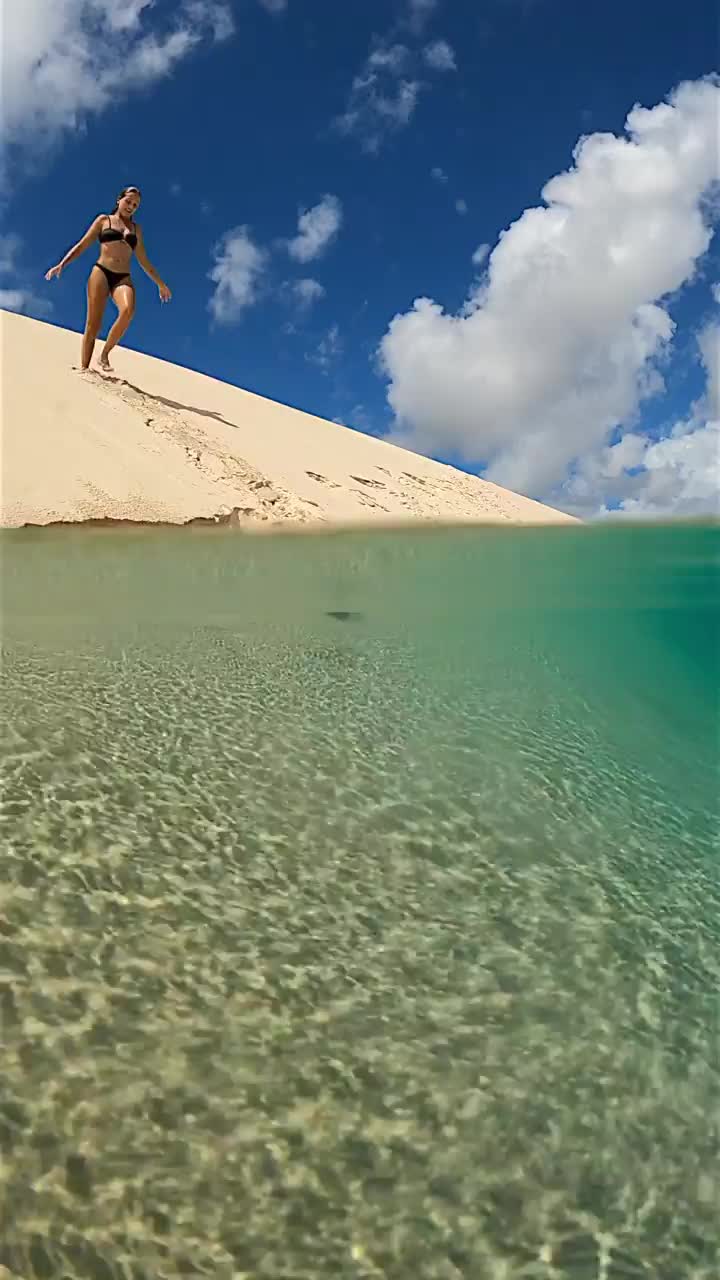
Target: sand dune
x=160 y=443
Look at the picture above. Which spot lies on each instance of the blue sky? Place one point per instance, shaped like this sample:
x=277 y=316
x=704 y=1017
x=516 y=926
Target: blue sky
x=235 y=117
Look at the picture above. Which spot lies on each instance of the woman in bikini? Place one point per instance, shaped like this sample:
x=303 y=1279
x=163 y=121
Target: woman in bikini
x=119 y=237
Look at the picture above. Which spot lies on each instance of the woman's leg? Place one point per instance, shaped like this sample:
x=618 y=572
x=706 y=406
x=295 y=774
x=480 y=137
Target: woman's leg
x=97 y=296
x=124 y=299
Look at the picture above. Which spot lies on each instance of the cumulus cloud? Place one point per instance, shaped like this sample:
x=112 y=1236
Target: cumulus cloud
x=480 y=254
x=238 y=269
x=317 y=228
x=562 y=338
x=306 y=292
x=440 y=56
x=677 y=474
x=680 y=475
x=64 y=60
x=438 y=174
x=240 y=263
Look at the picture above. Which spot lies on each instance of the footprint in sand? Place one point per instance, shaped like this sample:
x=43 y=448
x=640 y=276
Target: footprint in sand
x=315 y=475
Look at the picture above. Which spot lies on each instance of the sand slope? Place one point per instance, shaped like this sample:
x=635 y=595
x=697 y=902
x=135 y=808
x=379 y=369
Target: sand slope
x=163 y=443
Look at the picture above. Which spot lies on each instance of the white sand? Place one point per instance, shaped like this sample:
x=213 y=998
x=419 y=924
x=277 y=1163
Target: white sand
x=162 y=443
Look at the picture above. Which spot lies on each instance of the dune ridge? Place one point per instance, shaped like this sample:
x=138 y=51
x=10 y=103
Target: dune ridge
x=161 y=444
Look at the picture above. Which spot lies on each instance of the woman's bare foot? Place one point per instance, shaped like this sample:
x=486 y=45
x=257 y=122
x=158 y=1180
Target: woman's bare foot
x=105 y=364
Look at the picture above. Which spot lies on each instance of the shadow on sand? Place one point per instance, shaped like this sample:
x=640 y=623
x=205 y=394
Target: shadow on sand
x=170 y=404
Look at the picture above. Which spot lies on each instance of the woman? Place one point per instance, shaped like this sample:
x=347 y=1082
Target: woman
x=119 y=237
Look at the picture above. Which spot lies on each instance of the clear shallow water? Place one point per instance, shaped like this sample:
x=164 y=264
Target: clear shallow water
x=373 y=946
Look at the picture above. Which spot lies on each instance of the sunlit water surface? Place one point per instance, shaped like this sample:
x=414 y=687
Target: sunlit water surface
x=359 y=912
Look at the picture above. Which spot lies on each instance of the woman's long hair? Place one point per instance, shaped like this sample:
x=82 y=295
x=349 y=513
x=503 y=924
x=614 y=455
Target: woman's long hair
x=124 y=193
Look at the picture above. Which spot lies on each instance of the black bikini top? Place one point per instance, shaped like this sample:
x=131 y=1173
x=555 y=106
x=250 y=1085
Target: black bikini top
x=110 y=232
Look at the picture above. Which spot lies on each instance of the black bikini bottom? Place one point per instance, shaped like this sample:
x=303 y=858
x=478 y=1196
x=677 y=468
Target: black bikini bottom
x=114 y=278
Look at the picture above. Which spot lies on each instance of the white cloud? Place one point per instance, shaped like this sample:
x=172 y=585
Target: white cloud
x=461 y=207
x=360 y=419
x=63 y=60
x=709 y=344
x=239 y=265
x=155 y=56
x=215 y=15
x=715 y=290
x=678 y=474
x=560 y=341
x=681 y=475
x=384 y=94
x=382 y=99
x=440 y=56
x=306 y=291
x=317 y=228
x=24 y=301
x=393 y=58
x=122 y=17
x=438 y=174
x=10 y=245
x=480 y=254
x=15 y=295
x=12 y=299
x=327 y=350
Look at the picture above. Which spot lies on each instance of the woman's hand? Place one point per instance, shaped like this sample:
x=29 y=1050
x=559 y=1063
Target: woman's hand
x=165 y=294
x=54 y=273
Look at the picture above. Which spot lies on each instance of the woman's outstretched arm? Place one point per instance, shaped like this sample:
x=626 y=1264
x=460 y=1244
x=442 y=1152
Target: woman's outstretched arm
x=148 y=268
x=91 y=234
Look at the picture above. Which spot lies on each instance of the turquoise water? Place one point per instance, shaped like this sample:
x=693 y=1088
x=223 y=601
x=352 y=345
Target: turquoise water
x=359 y=915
